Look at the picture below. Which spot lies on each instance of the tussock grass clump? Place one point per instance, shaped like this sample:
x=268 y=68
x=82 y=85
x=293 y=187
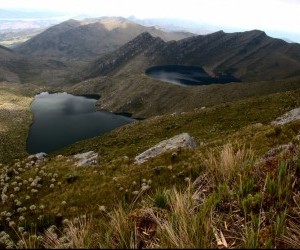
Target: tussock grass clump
x=227 y=162
x=188 y=225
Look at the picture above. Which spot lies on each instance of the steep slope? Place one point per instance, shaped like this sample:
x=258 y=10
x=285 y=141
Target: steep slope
x=88 y=39
x=8 y=59
x=18 y=68
x=249 y=56
x=123 y=55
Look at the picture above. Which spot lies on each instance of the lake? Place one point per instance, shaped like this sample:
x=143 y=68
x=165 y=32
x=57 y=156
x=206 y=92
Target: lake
x=61 y=119
x=187 y=75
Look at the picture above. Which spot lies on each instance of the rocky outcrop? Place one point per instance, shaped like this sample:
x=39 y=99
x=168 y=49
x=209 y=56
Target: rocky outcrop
x=86 y=159
x=183 y=140
x=39 y=157
x=287 y=117
x=122 y=55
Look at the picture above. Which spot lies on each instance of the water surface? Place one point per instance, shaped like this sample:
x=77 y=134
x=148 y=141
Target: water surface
x=61 y=119
x=187 y=75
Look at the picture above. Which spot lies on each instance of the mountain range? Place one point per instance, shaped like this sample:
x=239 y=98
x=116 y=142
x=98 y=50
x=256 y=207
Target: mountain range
x=248 y=56
x=97 y=47
x=109 y=56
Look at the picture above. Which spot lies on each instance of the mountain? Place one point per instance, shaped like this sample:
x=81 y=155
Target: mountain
x=8 y=59
x=248 y=56
x=18 y=68
x=89 y=39
x=174 y=24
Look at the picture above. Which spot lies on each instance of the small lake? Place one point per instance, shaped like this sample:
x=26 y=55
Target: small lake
x=187 y=75
x=61 y=119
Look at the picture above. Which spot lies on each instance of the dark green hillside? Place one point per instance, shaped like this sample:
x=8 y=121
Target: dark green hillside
x=248 y=56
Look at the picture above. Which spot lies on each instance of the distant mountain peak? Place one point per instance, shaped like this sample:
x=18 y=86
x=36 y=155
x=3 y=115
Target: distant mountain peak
x=89 y=39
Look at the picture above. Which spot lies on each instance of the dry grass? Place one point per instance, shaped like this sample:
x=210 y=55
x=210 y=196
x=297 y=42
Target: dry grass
x=75 y=235
x=292 y=236
x=227 y=162
x=188 y=223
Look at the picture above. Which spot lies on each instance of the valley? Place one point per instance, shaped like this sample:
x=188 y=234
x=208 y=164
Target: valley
x=235 y=184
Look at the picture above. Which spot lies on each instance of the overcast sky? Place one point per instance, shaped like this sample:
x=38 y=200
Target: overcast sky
x=276 y=15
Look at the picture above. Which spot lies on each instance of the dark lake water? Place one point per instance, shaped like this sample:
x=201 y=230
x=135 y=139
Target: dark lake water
x=61 y=119
x=186 y=75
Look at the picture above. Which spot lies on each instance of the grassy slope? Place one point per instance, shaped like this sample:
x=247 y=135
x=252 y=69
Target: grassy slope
x=146 y=97
x=206 y=125
x=215 y=127
x=85 y=189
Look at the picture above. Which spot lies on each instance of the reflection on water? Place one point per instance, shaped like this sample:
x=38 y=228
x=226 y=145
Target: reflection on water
x=186 y=75
x=61 y=119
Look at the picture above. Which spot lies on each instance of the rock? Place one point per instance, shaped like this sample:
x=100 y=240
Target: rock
x=272 y=156
x=179 y=141
x=39 y=157
x=86 y=159
x=292 y=115
x=257 y=125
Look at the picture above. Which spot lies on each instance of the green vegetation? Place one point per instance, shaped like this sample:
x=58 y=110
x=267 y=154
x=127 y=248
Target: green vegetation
x=225 y=193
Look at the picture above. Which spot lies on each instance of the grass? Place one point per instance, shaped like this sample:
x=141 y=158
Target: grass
x=133 y=92
x=224 y=193
x=207 y=212
x=238 y=121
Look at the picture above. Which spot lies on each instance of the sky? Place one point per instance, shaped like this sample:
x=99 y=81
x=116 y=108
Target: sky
x=281 y=16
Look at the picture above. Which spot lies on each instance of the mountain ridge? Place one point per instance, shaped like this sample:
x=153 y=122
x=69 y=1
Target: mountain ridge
x=88 y=39
x=249 y=56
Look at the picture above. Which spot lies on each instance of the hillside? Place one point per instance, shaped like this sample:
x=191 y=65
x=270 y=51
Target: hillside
x=248 y=56
x=242 y=194
x=7 y=57
x=88 y=39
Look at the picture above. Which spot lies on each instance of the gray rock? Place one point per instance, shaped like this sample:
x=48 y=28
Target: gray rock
x=183 y=140
x=287 y=117
x=86 y=159
x=39 y=157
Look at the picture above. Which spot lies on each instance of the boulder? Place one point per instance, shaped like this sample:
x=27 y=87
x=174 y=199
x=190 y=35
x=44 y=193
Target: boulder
x=39 y=157
x=86 y=159
x=183 y=140
x=292 y=115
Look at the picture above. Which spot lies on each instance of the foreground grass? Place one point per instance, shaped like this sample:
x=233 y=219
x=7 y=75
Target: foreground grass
x=236 y=201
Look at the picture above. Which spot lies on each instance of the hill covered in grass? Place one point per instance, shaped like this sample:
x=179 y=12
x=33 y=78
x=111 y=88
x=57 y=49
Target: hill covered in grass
x=237 y=188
